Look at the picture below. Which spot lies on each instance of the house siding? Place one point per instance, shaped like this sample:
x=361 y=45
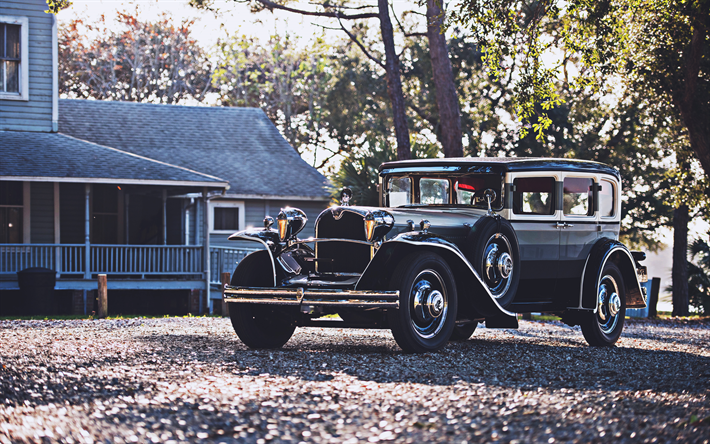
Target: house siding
x=256 y=210
x=35 y=114
x=42 y=213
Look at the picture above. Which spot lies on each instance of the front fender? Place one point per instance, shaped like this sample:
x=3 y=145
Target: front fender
x=603 y=251
x=268 y=238
x=469 y=283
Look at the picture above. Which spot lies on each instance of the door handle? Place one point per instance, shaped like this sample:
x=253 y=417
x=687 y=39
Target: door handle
x=563 y=225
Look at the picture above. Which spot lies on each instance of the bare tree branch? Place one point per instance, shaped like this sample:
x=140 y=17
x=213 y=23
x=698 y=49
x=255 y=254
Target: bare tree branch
x=401 y=28
x=271 y=6
x=330 y=5
x=362 y=47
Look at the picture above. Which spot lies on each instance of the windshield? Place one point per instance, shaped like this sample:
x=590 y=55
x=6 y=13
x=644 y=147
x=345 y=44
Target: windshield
x=457 y=190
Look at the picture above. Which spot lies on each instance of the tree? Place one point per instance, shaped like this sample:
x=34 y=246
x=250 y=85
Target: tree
x=141 y=62
x=443 y=76
x=391 y=65
x=288 y=82
x=661 y=45
x=699 y=282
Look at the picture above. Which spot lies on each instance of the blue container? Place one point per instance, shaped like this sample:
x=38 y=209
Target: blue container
x=641 y=312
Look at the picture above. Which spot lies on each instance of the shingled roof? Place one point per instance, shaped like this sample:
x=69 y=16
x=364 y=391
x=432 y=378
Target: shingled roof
x=238 y=144
x=41 y=156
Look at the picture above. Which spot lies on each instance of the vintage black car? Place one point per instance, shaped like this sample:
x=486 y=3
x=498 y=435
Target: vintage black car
x=455 y=242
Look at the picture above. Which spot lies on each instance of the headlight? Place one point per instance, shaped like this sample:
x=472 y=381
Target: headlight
x=291 y=221
x=377 y=224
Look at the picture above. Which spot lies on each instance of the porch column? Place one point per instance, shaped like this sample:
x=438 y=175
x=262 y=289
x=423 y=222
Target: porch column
x=126 y=206
x=206 y=230
x=87 y=232
x=57 y=236
x=165 y=217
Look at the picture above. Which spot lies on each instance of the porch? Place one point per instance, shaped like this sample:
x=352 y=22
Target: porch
x=128 y=267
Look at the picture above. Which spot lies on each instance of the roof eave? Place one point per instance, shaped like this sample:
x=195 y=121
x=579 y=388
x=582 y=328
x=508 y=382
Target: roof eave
x=122 y=181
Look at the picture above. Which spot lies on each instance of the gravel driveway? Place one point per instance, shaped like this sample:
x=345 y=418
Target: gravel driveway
x=191 y=379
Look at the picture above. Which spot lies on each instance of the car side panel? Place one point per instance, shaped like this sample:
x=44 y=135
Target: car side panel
x=539 y=248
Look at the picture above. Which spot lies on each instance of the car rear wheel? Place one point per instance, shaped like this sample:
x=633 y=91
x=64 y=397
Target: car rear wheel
x=257 y=325
x=428 y=303
x=463 y=332
x=604 y=327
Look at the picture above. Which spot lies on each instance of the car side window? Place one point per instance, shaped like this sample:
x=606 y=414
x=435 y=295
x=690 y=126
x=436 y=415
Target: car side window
x=534 y=195
x=399 y=191
x=577 y=199
x=433 y=191
x=606 y=199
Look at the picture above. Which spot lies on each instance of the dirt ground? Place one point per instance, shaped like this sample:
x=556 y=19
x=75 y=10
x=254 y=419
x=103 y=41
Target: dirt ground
x=191 y=379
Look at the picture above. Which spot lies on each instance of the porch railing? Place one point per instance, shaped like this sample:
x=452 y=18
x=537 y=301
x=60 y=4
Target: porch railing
x=141 y=260
x=225 y=259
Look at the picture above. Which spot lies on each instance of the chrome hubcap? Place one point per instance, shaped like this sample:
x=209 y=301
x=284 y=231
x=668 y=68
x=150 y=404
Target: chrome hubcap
x=608 y=304
x=435 y=303
x=497 y=264
x=505 y=265
x=429 y=304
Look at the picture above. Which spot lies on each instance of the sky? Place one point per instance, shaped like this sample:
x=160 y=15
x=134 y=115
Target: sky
x=233 y=17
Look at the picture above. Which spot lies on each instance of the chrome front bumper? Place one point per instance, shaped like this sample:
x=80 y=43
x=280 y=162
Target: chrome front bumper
x=314 y=297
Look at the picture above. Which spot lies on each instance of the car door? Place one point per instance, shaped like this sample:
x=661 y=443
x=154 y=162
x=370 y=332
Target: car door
x=534 y=215
x=578 y=227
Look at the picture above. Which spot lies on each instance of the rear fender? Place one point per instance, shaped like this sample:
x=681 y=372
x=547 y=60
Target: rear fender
x=603 y=251
x=469 y=285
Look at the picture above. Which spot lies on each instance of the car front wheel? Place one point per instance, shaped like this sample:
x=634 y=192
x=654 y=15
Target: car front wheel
x=258 y=325
x=604 y=327
x=427 y=313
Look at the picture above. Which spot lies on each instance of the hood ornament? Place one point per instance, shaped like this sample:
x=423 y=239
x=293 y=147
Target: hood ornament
x=345 y=195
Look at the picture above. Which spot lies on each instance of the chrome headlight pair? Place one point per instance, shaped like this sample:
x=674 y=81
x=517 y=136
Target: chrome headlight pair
x=290 y=222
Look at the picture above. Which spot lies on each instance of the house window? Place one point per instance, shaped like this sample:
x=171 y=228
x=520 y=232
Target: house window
x=13 y=58
x=226 y=216
x=11 y=200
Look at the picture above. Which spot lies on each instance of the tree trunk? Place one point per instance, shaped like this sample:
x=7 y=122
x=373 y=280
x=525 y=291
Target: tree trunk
x=394 y=83
x=446 y=97
x=691 y=103
x=680 y=261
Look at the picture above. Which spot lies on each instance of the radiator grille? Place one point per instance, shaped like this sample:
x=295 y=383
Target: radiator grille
x=344 y=257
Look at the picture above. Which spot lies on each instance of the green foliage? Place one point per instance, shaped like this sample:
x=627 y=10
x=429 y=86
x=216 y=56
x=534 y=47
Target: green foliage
x=699 y=276
x=54 y=6
x=644 y=42
x=288 y=82
x=360 y=170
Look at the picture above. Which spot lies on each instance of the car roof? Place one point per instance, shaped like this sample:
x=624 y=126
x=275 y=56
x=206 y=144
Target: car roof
x=495 y=165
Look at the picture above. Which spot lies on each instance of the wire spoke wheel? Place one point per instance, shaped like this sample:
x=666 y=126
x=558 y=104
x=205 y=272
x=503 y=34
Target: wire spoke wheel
x=427 y=306
x=497 y=262
x=603 y=326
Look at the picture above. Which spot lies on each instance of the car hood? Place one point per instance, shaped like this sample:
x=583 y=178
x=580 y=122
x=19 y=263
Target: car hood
x=451 y=223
